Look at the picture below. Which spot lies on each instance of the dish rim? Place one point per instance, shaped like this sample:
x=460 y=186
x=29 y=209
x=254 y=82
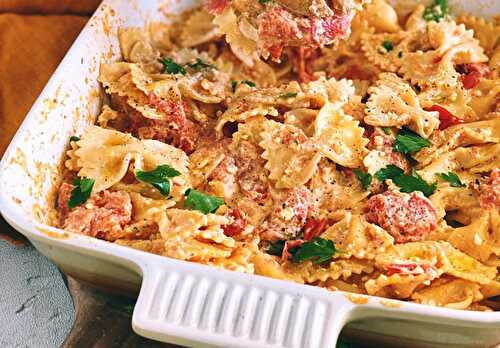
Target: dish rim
x=141 y=262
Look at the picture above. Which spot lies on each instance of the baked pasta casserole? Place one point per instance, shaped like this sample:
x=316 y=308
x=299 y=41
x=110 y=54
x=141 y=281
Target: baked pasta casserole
x=250 y=135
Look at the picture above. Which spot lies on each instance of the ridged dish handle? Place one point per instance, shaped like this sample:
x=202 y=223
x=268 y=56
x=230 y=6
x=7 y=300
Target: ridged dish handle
x=194 y=307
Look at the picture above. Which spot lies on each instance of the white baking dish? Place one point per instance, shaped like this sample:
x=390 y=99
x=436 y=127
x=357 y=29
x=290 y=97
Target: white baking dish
x=183 y=302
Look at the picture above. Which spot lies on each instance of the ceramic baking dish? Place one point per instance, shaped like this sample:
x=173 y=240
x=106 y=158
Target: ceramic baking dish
x=183 y=302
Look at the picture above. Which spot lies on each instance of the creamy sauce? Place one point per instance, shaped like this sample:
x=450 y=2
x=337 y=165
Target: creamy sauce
x=356 y=299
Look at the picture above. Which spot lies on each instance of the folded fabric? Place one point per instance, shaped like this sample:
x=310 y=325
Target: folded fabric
x=49 y=6
x=31 y=47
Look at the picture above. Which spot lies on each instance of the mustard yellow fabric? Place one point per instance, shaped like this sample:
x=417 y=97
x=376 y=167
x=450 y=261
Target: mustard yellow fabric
x=34 y=36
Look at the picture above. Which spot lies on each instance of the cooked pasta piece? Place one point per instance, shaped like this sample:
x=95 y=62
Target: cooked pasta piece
x=393 y=103
x=259 y=137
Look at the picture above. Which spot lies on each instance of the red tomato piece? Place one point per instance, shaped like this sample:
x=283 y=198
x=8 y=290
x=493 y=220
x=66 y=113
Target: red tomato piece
x=471 y=80
x=408 y=268
x=237 y=226
x=313 y=228
x=446 y=118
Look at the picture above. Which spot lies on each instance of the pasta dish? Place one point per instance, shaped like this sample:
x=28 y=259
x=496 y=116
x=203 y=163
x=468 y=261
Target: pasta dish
x=347 y=145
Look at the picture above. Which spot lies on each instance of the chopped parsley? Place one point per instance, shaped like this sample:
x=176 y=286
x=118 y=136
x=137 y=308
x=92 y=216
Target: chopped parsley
x=389 y=172
x=74 y=138
x=364 y=178
x=386 y=130
x=276 y=248
x=406 y=183
x=200 y=65
x=287 y=95
x=197 y=200
x=234 y=84
x=414 y=182
x=81 y=192
x=436 y=11
x=159 y=177
x=452 y=178
x=249 y=83
x=264 y=1
x=318 y=250
x=408 y=142
x=171 y=67
x=388 y=45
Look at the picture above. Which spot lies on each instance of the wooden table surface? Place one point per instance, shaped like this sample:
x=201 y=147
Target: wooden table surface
x=40 y=307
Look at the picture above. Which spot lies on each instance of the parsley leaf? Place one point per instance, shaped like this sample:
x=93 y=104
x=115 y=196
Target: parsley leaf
x=452 y=178
x=234 y=84
x=319 y=250
x=364 y=178
x=287 y=95
x=406 y=183
x=414 y=182
x=171 y=67
x=408 y=142
x=264 y=1
x=74 y=138
x=388 y=45
x=436 y=11
x=276 y=248
x=200 y=64
x=81 y=192
x=386 y=130
x=158 y=177
x=249 y=83
x=197 y=200
x=389 y=172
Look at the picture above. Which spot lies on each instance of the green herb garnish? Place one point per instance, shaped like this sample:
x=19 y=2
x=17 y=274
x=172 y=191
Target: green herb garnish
x=388 y=45
x=249 y=83
x=81 y=192
x=318 y=250
x=197 y=200
x=414 y=182
x=159 y=177
x=287 y=95
x=171 y=67
x=408 y=142
x=406 y=183
x=200 y=64
x=74 y=138
x=389 y=172
x=276 y=248
x=364 y=178
x=386 y=130
x=452 y=178
x=436 y=11
x=264 y=1
x=234 y=84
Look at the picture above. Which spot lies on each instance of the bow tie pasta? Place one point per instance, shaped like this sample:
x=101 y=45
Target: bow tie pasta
x=240 y=137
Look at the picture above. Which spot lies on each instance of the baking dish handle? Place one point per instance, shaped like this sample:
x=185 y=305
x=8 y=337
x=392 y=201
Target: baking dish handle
x=192 y=305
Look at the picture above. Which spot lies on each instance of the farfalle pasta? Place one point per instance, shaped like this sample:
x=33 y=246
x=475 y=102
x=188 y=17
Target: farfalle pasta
x=260 y=137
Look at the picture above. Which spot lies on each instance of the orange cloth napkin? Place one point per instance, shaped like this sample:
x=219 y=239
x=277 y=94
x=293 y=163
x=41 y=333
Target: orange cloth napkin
x=34 y=36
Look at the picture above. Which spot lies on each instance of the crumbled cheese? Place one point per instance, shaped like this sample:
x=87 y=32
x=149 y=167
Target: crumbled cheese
x=287 y=214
